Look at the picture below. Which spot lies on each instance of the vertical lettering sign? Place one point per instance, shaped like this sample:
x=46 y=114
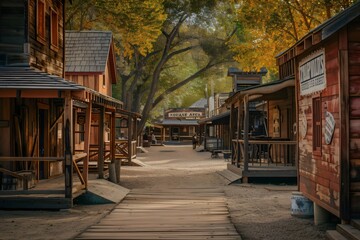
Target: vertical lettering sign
x=312 y=73
x=329 y=127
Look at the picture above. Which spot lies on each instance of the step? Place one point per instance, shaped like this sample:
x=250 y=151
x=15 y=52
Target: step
x=348 y=231
x=334 y=235
x=355 y=223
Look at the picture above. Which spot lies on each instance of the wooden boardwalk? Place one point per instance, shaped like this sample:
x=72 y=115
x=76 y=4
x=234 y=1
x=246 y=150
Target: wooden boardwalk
x=190 y=213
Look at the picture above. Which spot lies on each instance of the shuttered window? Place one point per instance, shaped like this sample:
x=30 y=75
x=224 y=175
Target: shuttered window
x=54 y=22
x=40 y=20
x=317 y=125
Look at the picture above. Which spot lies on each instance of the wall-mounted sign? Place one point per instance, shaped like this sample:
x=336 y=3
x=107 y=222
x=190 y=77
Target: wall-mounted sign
x=80 y=118
x=312 y=73
x=302 y=125
x=329 y=127
x=185 y=114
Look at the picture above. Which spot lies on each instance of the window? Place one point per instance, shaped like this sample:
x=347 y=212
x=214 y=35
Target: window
x=317 y=126
x=103 y=80
x=40 y=20
x=54 y=23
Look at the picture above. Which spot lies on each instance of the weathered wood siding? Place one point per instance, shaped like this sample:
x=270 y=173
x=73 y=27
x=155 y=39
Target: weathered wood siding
x=12 y=32
x=42 y=55
x=320 y=173
x=354 y=111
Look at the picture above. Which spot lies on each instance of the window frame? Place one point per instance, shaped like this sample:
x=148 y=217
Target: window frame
x=54 y=33
x=40 y=25
x=317 y=125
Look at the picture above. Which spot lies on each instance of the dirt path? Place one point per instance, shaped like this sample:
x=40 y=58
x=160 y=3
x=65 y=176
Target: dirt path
x=258 y=211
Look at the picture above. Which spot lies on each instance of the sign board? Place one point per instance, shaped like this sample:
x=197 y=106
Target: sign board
x=185 y=114
x=329 y=127
x=312 y=73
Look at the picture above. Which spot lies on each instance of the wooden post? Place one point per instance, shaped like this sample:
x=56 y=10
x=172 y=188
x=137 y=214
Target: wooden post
x=87 y=143
x=246 y=132
x=345 y=200
x=68 y=116
x=101 y=143
x=238 y=137
x=130 y=134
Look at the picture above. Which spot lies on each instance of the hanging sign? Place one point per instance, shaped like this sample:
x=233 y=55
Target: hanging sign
x=329 y=127
x=185 y=114
x=80 y=118
x=312 y=73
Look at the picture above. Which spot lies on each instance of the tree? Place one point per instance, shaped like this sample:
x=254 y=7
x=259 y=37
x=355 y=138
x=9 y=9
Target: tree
x=268 y=27
x=187 y=31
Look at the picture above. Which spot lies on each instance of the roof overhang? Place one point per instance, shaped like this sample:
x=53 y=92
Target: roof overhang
x=261 y=90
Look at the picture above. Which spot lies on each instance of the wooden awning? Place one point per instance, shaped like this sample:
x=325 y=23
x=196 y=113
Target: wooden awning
x=259 y=91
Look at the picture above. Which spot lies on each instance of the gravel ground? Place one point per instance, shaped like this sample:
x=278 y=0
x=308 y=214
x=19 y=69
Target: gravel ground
x=258 y=211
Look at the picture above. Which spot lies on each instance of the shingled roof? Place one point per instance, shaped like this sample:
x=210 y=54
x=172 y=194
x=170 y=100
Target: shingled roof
x=88 y=51
x=30 y=78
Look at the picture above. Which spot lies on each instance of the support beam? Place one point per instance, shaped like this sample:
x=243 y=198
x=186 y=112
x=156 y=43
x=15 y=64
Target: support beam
x=101 y=143
x=68 y=119
x=246 y=132
x=130 y=135
x=87 y=137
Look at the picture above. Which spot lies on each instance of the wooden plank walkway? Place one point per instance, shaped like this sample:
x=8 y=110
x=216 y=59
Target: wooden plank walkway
x=192 y=213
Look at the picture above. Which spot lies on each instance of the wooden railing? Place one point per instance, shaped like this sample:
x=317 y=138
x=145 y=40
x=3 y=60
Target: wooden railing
x=122 y=149
x=277 y=152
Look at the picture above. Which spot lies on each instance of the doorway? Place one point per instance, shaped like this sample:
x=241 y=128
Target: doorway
x=175 y=134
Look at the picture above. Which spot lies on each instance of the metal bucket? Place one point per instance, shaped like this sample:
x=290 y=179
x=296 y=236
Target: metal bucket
x=301 y=206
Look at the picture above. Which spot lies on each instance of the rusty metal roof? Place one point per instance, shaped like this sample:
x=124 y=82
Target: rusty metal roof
x=31 y=78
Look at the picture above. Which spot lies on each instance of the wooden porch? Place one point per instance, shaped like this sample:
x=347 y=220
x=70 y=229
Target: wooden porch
x=265 y=158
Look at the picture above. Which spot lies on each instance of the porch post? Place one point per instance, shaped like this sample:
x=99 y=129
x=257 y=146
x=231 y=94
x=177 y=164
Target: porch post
x=246 y=132
x=101 y=143
x=238 y=137
x=130 y=134
x=68 y=121
x=87 y=143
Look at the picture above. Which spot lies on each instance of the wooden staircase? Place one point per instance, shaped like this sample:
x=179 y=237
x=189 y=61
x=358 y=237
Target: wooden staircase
x=345 y=231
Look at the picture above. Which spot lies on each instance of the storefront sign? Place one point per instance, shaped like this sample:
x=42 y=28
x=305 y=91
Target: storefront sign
x=185 y=114
x=329 y=127
x=312 y=73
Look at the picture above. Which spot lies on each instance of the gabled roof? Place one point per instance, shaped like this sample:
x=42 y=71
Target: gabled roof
x=89 y=52
x=201 y=103
x=30 y=78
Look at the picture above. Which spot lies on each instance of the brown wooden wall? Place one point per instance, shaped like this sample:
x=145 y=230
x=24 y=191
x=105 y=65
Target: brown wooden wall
x=93 y=81
x=354 y=112
x=320 y=173
x=42 y=56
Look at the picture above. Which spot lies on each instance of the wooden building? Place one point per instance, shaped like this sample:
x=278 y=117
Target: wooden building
x=267 y=148
x=216 y=126
x=39 y=110
x=326 y=67
x=90 y=62
x=180 y=124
